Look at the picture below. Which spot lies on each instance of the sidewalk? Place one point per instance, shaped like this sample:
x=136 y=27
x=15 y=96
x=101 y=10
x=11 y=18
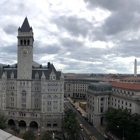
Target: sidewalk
x=76 y=104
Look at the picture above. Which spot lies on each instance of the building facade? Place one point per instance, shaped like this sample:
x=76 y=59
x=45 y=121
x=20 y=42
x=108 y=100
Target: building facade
x=77 y=87
x=31 y=93
x=117 y=94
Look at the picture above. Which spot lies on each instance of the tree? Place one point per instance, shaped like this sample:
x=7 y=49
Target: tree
x=128 y=123
x=3 y=120
x=70 y=125
x=29 y=135
x=46 y=136
x=15 y=128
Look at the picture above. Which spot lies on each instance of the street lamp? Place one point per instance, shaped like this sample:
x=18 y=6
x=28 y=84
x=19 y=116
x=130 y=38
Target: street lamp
x=123 y=131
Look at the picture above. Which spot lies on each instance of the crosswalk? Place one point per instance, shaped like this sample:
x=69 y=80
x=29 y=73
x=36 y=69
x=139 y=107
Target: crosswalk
x=87 y=131
x=93 y=138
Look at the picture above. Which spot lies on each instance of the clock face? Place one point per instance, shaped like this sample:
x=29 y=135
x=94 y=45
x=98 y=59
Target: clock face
x=24 y=52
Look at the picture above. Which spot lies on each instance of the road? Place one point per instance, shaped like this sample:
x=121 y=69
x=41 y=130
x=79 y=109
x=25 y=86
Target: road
x=90 y=132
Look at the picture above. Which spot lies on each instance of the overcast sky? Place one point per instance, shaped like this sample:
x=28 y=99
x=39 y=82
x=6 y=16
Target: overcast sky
x=80 y=36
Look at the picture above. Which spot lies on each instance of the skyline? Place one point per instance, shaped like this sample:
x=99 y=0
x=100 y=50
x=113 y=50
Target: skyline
x=76 y=36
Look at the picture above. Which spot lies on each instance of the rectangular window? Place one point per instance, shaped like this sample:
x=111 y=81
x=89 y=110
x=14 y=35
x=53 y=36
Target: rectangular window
x=23 y=105
x=48 y=125
x=55 y=125
x=101 y=109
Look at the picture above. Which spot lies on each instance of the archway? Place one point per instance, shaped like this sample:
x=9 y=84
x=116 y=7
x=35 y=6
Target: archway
x=10 y=123
x=22 y=125
x=33 y=126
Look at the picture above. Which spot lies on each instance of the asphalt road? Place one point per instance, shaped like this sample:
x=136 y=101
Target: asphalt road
x=89 y=132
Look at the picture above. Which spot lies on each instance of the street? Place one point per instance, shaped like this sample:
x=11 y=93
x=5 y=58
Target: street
x=89 y=132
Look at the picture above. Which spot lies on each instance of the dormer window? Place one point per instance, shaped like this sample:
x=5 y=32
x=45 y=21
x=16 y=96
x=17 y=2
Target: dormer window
x=36 y=76
x=52 y=76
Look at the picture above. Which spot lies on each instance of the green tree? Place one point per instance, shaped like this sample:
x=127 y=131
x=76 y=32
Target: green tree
x=70 y=125
x=127 y=122
x=46 y=136
x=15 y=129
x=29 y=135
x=3 y=120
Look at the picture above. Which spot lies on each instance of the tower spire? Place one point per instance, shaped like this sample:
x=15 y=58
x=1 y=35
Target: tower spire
x=25 y=26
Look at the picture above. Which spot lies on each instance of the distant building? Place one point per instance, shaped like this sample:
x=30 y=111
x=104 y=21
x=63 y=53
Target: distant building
x=31 y=93
x=77 y=87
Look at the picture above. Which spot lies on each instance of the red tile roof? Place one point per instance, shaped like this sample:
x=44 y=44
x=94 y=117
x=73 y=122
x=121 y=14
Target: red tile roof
x=131 y=86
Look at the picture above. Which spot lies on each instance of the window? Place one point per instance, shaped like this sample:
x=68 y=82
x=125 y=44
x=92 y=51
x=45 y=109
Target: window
x=101 y=109
x=48 y=125
x=23 y=93
x=55 y=125
x=130 y=104
x=102 y=99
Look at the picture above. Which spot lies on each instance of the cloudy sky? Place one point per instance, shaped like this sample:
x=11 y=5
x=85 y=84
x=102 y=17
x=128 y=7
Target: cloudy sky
x=80 y=36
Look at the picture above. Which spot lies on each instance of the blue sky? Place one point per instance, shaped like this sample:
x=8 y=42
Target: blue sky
x=80 y=36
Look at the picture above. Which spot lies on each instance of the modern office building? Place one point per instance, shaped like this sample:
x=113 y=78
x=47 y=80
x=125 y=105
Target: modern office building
x=30 y=93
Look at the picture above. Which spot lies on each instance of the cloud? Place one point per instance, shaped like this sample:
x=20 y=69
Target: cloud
x=74 y=25
x=10 y=29
x=90 y=36
x=117 y=5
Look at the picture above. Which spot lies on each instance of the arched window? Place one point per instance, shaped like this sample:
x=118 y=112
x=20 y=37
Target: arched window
x=49 y=97
x=24 y=42
x=28 y=42
x=24 y=93
x=12 y=93
x=55 y=97
x=21 y=42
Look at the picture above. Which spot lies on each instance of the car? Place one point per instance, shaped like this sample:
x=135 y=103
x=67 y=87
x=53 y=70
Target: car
x=81 y=126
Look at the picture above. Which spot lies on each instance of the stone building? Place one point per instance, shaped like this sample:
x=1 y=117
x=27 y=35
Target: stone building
x=30 y=93
x=98 y=96
x=117 y=94
x=77 y=87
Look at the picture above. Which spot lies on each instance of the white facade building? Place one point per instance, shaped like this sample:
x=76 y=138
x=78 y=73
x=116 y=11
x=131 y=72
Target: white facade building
x=31 y=93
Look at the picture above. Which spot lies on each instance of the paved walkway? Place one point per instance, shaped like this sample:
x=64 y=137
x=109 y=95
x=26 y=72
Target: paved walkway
x=76 y=104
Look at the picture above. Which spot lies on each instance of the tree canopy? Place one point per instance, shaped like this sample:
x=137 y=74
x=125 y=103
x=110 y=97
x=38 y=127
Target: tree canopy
x=70 y=125
x=46 y=136
x=3 y=120
x=29 y=135
x=123 y=119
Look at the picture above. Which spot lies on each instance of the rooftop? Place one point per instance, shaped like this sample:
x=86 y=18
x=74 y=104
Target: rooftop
x=131 y=86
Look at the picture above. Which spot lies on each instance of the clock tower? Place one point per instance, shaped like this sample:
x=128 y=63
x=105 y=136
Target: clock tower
x=24 y=66
x=25 y=51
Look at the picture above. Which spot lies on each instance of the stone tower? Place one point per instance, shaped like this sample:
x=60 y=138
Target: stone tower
x=25 y=63
x=135 y=68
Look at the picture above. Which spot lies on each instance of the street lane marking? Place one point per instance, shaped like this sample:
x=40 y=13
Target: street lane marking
x=93 y=138
x=86 y=130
